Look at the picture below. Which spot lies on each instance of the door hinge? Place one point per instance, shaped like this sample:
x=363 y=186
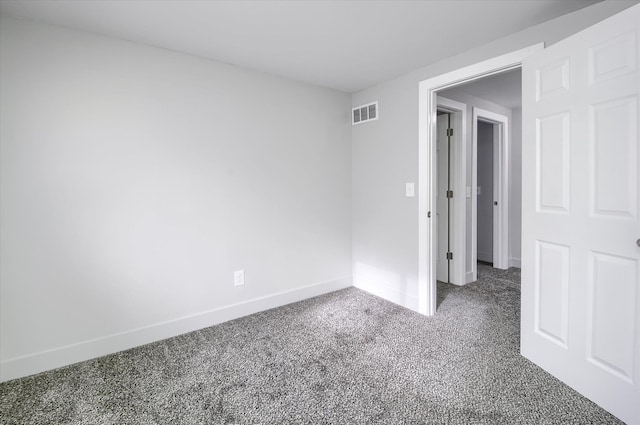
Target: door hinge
x=449 y=193
x=449 y=255
x=449 y=131
x=428 y=214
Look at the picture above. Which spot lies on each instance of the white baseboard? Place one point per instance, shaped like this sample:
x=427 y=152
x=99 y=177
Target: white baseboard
x=468 y=277
x=514 y=262
x=62 y=356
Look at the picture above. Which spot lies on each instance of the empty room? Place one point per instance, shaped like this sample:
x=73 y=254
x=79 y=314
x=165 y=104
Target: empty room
x=354 y=212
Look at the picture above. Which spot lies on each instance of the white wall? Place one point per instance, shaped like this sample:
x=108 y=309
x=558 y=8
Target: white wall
x=485 y=192
x=135 y=180
x=385 y=156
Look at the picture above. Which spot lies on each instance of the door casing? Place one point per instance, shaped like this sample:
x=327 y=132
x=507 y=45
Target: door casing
x=501 y=176
x=427 y=230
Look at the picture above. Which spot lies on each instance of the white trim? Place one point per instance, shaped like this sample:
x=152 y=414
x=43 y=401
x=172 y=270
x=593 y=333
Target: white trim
x=459 y=208
x=514 y=262
x=427 y=109
x=502 y=153
x=62 y=356
x=469 y=277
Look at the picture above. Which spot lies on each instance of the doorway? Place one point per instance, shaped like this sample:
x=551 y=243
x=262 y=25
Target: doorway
x=486 y=137
x=490 y=102
x=427 y=198
x=503 y=204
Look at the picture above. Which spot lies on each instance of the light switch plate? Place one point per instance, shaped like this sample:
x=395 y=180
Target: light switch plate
x=410 y=190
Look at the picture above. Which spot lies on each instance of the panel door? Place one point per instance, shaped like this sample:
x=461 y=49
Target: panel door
x=580 y=270
x=442 y=210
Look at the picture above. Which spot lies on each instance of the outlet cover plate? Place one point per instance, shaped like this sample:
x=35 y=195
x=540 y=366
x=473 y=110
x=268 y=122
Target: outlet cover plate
x=238 y=278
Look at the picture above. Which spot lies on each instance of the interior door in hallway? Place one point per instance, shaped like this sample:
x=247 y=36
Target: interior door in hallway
x=443 y=270
x=485 y=192
x=580 y=271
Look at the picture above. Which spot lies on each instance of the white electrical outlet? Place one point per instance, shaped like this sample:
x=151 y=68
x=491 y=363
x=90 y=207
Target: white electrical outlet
x=238 y=278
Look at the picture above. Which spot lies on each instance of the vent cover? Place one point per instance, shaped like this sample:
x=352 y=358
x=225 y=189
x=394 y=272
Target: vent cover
x=364 y=113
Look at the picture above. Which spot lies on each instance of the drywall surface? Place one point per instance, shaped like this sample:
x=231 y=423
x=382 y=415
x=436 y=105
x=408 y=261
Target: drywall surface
x=485 y=192
x=136 y=180
x=385 y=156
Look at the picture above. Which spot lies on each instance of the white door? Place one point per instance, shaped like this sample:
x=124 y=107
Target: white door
x=580 y=270
x=442 y=211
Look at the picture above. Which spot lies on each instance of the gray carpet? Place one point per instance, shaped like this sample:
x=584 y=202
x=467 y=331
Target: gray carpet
x=347 y=357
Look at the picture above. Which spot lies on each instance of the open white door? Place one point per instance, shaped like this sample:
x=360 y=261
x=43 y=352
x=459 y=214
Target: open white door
x=442 y=210
x=580 y=201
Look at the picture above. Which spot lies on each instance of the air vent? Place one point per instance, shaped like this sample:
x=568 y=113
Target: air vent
x=364 y=113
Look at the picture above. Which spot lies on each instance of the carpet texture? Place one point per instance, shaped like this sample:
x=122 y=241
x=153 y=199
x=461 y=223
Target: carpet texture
x=347 y=357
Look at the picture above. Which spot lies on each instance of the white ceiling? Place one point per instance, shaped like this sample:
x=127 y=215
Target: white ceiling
x=345 y=45
x=504 y=89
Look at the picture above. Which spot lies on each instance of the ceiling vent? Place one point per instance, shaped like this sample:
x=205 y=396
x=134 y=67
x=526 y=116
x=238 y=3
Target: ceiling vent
x=364 y=113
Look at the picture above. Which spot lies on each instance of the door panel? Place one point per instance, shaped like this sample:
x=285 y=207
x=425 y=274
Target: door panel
x=552 y=291
x=613 y=57
x=552 y=157
x=614 y=138
x=612 y=294
x=442 y=210
x=580 y=269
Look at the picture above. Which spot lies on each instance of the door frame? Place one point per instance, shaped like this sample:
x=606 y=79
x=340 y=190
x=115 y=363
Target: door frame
x=459 y=178
x=427 y=108
x=501 y=176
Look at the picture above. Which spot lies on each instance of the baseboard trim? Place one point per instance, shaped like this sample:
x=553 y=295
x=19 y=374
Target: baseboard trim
x=23 y=366
x=468 y=277
x=514 y=262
